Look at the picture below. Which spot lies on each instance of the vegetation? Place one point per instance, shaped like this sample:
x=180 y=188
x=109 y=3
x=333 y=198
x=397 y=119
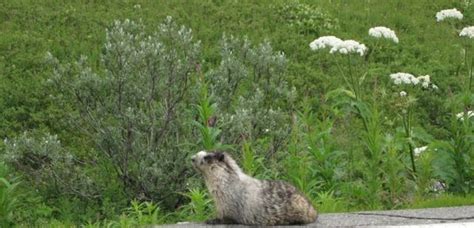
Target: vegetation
x=102 y=105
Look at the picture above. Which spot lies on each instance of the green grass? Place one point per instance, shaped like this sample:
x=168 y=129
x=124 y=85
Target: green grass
x=445 y=200
x=73 y=28
x=69 y=29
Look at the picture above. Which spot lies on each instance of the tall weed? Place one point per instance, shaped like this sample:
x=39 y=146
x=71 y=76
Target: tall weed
x=9 y=198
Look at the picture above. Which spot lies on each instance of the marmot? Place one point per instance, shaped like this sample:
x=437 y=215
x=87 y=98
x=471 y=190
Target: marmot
x=241 y=199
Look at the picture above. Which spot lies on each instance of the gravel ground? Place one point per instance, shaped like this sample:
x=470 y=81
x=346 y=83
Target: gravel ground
x=434 y=217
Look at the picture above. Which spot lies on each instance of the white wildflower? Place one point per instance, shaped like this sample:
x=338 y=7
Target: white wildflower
x=425 y=78
x=409 y=79
x=435 y=87
x=420 y=150
x=137 y=6
x=324 y=42
x=461 y=115
x=405 y=78
x=467 y=32
x=349 y=46
x=415 y=81
x=425 y=81
x=383 y=32
x=448 y=13
x=337 y=45
x=403 y=94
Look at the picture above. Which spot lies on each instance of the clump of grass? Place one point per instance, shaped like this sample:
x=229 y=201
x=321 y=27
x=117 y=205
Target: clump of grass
x=9 y=199
x=200 y=207
x=446 y=200
x=326 y=202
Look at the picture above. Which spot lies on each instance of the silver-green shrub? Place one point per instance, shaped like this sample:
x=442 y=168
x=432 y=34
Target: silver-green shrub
x=252 y=96
x=136 y=107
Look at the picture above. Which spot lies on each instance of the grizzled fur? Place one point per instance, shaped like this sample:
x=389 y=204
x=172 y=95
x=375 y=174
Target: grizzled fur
x=242 y=199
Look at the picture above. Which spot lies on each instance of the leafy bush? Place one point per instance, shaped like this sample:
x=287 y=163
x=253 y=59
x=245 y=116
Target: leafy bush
x=313 y=163
x=253 y=99
x=46 y=164
x=453 y=162
x=135 y=109
x=206 y=124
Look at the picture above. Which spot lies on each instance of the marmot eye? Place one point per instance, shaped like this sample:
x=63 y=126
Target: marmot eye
x=208 y=158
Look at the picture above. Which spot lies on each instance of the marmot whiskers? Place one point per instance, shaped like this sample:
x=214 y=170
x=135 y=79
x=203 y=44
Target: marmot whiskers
x=242 y=199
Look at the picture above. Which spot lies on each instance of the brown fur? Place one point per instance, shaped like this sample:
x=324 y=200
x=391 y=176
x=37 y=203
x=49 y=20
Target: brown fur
x=242 y=199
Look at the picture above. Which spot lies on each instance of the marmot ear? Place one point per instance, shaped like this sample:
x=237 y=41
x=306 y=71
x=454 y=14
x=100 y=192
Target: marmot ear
x=219 y=156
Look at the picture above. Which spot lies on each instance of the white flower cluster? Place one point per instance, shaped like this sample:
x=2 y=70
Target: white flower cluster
x=338 y=45
x=406 y=78
x=467 y=32
x=424 y=80
x=448 y=13
x=324 y=42
x=403 y=94
x=419 y=150
x=349 y=46
x=383 y=32
x=460 y=115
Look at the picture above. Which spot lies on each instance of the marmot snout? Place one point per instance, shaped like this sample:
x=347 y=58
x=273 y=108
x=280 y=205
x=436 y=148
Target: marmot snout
x=243 y=199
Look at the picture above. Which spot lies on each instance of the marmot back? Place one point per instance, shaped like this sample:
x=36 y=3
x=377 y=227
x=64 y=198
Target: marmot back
x=242 y=199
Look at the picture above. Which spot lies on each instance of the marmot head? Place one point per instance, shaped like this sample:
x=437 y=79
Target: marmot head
x=205 y=162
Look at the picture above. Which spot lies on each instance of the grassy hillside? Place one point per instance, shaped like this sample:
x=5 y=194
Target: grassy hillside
x=346 y=152
x=71 y=29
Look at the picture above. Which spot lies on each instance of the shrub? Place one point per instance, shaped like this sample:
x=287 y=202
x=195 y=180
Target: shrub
x=253 y=99
x=52 y=169
x=135 y=108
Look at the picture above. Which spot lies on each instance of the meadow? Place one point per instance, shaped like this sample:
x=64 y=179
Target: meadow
x=103 y=103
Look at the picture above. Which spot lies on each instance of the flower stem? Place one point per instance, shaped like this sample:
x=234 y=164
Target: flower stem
x=342 y=72
x=470 y=75
x=469 y=71
x=407 y=125
x=351 y=77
